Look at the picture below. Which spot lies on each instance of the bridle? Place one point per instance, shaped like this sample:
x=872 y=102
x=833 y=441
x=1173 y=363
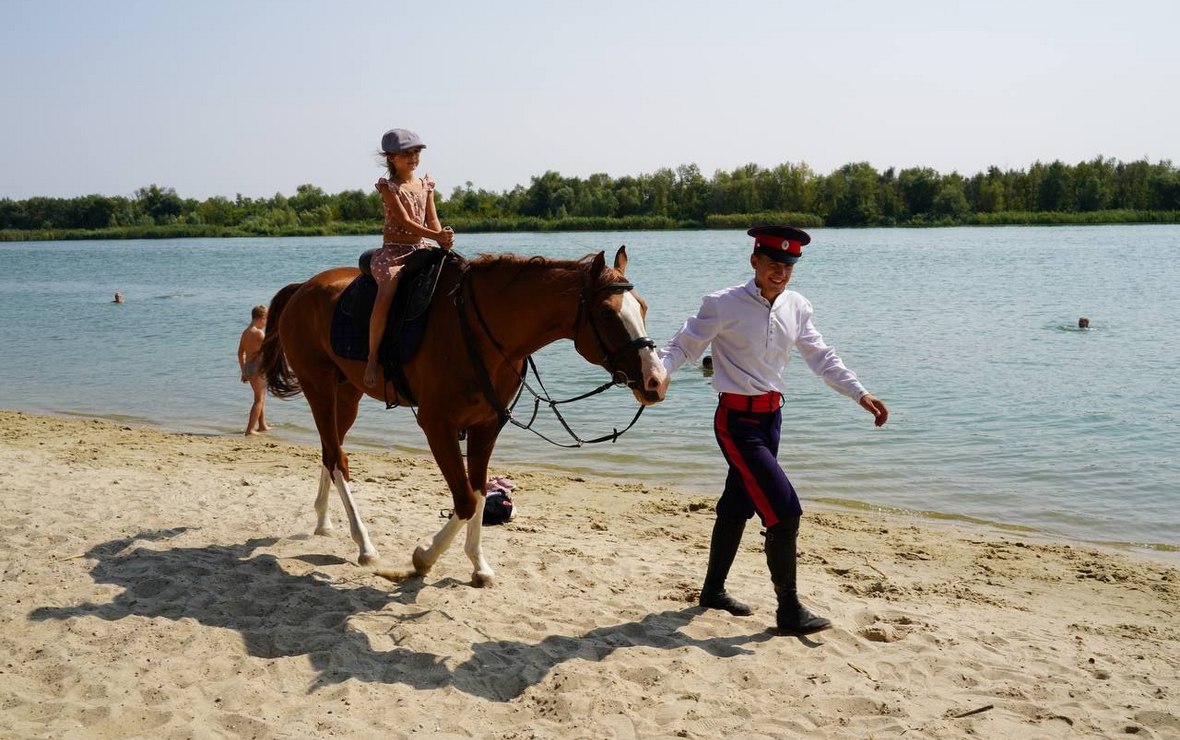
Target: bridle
x=608 y=357
x=465 y=295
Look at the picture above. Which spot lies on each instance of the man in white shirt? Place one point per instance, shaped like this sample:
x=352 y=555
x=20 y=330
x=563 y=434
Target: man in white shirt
x=752 y=329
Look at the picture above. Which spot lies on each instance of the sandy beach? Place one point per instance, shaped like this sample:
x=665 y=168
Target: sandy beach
x=169 y=586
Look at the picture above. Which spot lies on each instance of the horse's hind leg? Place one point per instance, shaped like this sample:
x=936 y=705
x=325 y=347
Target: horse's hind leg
x=347 y=405
x=334 y=408
x=323 y=522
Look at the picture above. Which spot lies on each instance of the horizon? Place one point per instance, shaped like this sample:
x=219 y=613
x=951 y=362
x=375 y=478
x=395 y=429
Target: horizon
x=709 y=176
x=218 y=100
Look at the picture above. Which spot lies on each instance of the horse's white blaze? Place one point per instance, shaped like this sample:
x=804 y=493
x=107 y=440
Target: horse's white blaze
x=632 y=316
x=356 y=527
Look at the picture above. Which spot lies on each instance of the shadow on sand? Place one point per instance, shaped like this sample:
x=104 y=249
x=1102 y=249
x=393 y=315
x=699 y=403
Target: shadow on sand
x=283 y=615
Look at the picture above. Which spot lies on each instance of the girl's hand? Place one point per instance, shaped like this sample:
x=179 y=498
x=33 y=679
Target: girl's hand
x=446 y=239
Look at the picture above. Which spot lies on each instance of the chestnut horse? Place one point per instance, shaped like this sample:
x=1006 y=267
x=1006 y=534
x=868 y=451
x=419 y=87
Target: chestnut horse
x=487 y=317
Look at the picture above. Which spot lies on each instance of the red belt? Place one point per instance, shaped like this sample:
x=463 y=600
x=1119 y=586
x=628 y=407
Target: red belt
x=763 y=404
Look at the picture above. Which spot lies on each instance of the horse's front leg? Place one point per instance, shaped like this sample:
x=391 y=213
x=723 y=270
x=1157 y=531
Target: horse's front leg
x=483 y=575
x=425 y=557
x=444 y=444
x=480 y=442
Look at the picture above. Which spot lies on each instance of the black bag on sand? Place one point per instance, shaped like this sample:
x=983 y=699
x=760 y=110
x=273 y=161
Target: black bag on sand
x=497 y=508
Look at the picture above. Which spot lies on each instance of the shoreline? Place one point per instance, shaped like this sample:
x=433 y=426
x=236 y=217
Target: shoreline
x=1157 y=551
x=169 y=585
x=531 y=225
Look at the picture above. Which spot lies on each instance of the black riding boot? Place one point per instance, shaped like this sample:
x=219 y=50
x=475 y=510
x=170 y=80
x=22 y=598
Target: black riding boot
x=792 y=618
x=727 y=535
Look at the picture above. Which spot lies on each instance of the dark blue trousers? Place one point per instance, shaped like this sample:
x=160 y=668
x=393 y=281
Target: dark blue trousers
x=756 y=483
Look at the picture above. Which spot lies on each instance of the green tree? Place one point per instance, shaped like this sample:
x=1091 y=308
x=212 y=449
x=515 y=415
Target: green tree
x=951 y=200
x=1133 y=186
x=1165 y=188
x=690 y=194
x=161 y=205
x=985 y=192
x=853 y=193
x=307 y=199
x=1055 y=192
x=918 y=186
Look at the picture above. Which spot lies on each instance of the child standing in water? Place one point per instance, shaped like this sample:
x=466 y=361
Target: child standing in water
x=410 y=219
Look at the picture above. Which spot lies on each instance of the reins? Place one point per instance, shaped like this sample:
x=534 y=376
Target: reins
x=505 y=412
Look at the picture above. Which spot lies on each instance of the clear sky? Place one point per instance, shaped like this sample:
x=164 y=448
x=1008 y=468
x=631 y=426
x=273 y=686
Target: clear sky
x=221 y=97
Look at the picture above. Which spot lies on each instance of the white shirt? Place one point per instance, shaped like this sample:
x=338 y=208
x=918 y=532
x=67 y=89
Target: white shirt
x=752 y=341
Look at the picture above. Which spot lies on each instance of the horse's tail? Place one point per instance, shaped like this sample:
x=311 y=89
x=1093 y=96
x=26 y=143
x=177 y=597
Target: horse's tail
x=280 y=380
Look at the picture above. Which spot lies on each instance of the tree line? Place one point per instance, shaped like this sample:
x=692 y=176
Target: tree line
x=1101 y=190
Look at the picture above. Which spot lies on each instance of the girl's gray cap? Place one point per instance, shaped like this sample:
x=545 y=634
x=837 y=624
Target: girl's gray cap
x=399 y=140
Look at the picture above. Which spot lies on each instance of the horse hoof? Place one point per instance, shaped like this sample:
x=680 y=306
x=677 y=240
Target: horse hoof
x=324 y=531
x=368 y=558
x=419 y=559
x=483 y=580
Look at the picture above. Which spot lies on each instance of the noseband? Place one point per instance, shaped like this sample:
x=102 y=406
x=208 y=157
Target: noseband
x=608 y=356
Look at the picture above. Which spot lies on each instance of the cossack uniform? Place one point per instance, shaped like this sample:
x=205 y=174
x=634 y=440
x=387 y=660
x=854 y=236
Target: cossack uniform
x=752 y=338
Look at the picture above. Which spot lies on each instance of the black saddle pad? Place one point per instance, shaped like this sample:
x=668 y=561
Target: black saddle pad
x=350 y=320
x=403 y=335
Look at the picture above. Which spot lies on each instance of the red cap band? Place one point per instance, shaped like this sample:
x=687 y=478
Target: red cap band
x=792 y=247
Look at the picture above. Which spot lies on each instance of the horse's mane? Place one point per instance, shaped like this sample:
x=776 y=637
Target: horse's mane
x=508 y=259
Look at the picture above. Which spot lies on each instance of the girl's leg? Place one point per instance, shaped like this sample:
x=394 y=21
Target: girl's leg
x=377 y=323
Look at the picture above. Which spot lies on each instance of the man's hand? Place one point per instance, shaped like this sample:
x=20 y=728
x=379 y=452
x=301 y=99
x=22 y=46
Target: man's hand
x=876 y=407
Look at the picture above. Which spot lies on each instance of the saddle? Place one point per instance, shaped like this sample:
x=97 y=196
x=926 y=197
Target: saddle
x=403 y=335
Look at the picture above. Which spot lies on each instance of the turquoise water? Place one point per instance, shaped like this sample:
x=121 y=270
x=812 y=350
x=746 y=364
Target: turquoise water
x=1001 y=409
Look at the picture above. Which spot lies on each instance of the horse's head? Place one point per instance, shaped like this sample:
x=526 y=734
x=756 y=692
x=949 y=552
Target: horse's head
x=611 y=331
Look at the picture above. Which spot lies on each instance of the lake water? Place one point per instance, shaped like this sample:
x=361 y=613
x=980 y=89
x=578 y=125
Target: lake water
x=1002 y=411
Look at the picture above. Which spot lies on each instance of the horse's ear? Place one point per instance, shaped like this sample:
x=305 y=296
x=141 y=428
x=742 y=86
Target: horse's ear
x=599 y=263
x=621 y=260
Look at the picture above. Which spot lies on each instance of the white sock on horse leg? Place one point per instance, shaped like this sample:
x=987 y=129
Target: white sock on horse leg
x=356 y=527
x=323 y=523
x=483 y=575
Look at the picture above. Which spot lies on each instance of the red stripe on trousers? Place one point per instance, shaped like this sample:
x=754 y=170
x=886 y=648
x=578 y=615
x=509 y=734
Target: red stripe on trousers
x=755 y=492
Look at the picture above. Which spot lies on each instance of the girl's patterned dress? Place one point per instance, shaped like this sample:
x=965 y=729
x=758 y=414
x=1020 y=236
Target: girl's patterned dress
x=399 y=243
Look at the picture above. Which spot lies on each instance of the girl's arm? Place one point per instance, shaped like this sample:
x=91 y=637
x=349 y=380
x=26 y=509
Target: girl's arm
x=432 y=221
